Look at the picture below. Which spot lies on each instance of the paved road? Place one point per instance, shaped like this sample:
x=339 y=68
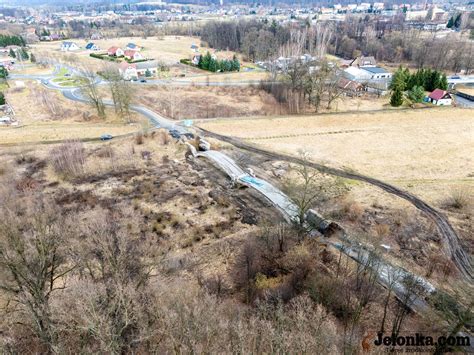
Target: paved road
x=461 y=79
x=461 y=101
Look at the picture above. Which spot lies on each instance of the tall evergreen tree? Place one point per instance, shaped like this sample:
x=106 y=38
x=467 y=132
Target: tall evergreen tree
x=235 y=64
x=443 y=83
x=396 y=99
x=416 y=94
x=3 y=73
x=205 y=61
x=24 y=54
x=450 y=22
x=212 y=65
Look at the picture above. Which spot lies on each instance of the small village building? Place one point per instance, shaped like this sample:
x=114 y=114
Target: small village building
x=7 y=64
x=363 y=62
x=115 y=51
x=128 y=71
x=96 y=36
x=51 y=37
x=133 y=47
x=357 y=74
x=150 y=66
x=68 y=46
x=377 y=72
x=132 y=55
x=440 y=97
x=351 y=87
x=92 y=46
x=5 y=120
x=196 y=59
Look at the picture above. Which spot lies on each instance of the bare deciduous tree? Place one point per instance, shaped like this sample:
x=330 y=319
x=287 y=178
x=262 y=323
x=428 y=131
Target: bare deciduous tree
x=121 y=91
x=33 y=262
x=304 y=187
x=90 y=90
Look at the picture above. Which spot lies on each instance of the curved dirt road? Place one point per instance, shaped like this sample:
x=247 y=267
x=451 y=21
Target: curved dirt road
x=451 y=239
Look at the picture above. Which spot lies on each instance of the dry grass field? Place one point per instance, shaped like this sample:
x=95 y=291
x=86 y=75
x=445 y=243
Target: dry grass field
x=32 y=70
x=204 y=102
x=45 y=115
x=465 y=89
x=167 y=49
x=250 y=76
x=425 y=151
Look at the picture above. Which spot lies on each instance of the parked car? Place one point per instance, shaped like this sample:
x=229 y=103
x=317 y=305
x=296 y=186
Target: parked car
x=143 y=81
x=106 y=137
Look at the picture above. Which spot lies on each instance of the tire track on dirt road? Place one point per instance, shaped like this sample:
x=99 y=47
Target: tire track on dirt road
x=451 y=240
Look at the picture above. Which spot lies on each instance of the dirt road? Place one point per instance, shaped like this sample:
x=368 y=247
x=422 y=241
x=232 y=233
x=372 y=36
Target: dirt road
x=451 y=239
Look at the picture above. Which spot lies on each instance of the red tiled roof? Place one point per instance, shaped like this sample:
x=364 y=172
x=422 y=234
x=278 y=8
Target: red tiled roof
x=125 y=66
x=112 y=50
x=437 y=94
x=129 y=53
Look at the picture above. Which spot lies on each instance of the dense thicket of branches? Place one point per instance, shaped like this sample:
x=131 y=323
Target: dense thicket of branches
x=298 y=87
x=393 y=42
x=386 y=41
x=255 y=39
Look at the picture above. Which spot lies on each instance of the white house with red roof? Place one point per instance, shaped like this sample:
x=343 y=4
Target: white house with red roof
x=132 y=55
x=128 y=71
x=115 y=51
x=440 y=97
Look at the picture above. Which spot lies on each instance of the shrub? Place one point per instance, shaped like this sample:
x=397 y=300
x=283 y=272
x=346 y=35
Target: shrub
x=68 y=159
x=163 y=137
x=382 y=230
x=352 y=210
x=139 y=138
x=2 y=98
x=458 y=199
x=25 y=159
x=106 y=152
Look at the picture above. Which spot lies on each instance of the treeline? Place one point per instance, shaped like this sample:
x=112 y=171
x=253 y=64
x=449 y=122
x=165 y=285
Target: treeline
x=386 y=41
x=257 y=40
x=414 y=85
x=428 y=79
x=206 y=62
x=11 y=40
x=394 y=42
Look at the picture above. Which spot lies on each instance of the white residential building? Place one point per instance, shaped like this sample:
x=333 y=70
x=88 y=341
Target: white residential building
x=68 y=46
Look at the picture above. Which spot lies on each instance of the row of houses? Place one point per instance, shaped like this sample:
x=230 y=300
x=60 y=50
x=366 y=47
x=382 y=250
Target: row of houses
x=70 y=46
x=131 y=52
